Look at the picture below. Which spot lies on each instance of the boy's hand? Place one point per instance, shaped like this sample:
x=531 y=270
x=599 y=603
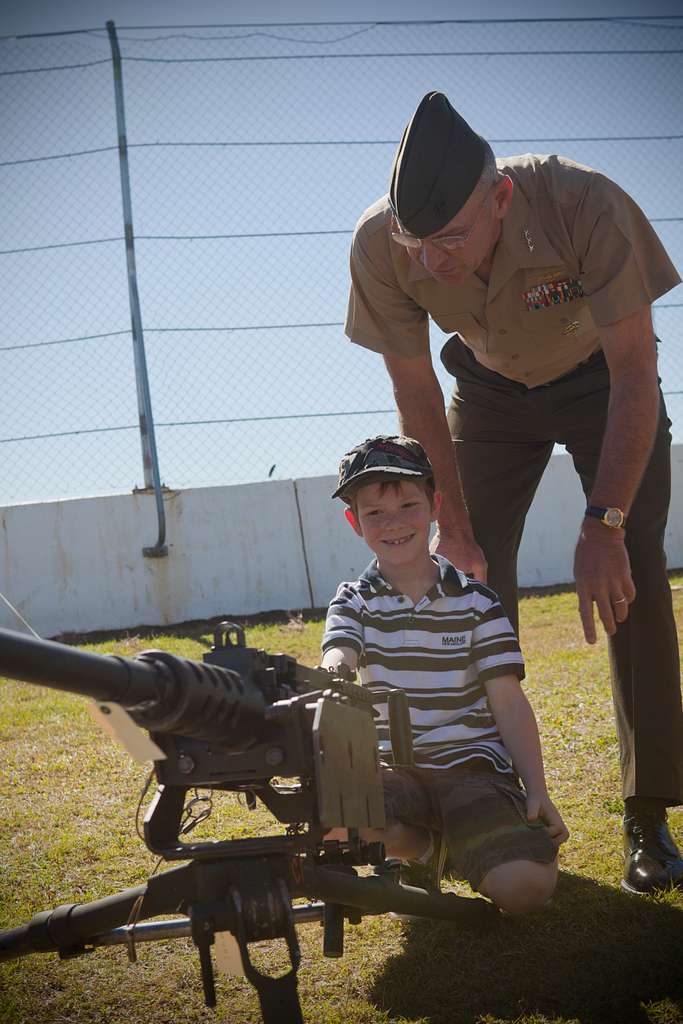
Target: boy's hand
x=540 y=807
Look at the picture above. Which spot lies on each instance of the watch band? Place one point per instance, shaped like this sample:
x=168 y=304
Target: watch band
x=612 y=517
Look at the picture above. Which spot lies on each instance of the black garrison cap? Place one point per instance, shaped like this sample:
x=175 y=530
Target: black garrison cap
x=437 y=165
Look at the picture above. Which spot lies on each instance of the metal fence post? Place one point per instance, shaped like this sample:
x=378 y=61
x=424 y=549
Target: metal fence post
x=150 y=461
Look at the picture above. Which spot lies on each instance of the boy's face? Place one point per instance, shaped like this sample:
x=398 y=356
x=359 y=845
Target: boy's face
x=395 y=520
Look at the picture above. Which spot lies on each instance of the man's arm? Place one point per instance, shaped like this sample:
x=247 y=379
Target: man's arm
x=420 y=404
x=601 y=565
x=517 y=726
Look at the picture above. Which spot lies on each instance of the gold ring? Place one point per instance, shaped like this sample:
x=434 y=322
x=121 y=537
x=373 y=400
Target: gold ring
x=622 y=600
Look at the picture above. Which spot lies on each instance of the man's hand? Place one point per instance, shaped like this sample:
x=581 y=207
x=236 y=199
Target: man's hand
x=603 y=576
x=539 y=806
x=601 y=566
x=460 y=548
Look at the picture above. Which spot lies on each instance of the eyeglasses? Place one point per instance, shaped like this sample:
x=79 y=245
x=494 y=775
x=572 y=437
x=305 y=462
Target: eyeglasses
x=449 y=243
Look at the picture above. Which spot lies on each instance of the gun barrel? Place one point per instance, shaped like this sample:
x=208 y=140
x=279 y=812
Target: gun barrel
x=163 y=693
x=52 y=664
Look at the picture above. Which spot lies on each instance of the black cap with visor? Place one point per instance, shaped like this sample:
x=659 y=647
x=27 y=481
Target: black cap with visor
x=382 y=457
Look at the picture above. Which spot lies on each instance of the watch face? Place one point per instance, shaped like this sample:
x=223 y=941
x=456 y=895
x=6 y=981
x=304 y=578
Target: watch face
x=613 y=517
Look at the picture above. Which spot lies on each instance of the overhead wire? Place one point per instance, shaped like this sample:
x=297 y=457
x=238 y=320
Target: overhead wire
x=643 y=20
x=247 y=143
x=232 y=236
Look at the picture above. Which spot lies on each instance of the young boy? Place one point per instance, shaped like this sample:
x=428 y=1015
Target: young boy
x=414 y=621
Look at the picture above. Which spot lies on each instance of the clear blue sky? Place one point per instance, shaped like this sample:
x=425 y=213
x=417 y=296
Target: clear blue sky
x=196 y=291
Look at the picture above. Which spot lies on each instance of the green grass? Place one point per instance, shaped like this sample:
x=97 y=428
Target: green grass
x=68 y=799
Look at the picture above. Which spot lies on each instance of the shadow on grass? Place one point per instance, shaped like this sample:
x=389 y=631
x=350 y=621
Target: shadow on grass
x=594 y=955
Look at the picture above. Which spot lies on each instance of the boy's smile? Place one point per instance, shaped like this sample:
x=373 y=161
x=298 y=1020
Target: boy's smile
x=395 y=519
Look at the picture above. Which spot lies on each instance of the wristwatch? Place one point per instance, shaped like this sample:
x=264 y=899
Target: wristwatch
x=613 y=517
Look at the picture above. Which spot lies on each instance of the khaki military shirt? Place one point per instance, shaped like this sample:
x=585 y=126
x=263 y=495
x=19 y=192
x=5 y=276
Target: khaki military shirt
x=575 y=253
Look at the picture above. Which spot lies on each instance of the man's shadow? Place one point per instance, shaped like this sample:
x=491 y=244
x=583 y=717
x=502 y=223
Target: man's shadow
x=594 y=955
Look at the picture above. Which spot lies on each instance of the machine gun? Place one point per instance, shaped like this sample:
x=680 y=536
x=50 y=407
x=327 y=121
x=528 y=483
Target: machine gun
x=244 y=721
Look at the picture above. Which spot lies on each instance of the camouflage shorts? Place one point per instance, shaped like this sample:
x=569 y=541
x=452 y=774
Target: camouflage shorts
x=482 y=815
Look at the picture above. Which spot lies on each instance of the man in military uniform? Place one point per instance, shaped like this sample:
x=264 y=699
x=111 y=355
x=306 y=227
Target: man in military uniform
x=545 y=271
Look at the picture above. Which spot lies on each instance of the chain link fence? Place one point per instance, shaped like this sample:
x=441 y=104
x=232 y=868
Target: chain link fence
x=252 y=152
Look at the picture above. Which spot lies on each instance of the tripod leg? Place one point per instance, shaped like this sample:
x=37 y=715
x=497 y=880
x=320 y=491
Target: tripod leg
x=67 y=929
x=278 y=997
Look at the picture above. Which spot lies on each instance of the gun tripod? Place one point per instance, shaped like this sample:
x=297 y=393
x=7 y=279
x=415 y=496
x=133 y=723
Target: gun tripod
x=247 y=896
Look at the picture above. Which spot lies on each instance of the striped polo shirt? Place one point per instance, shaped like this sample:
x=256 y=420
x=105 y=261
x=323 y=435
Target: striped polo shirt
x=441 y=651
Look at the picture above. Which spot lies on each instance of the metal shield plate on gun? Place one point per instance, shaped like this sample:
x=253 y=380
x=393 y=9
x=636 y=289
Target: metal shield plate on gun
x=347 y=767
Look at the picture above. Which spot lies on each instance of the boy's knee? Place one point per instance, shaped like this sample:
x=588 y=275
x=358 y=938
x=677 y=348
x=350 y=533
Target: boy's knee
x=407 y=842
x=520 y=886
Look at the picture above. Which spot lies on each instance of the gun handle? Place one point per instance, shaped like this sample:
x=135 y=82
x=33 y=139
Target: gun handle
x=400 y=730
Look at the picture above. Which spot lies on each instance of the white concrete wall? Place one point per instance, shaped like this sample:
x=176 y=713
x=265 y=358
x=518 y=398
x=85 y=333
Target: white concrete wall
x=77 y=566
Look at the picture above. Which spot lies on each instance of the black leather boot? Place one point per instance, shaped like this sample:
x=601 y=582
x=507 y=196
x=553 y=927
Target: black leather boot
x=652 y=857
